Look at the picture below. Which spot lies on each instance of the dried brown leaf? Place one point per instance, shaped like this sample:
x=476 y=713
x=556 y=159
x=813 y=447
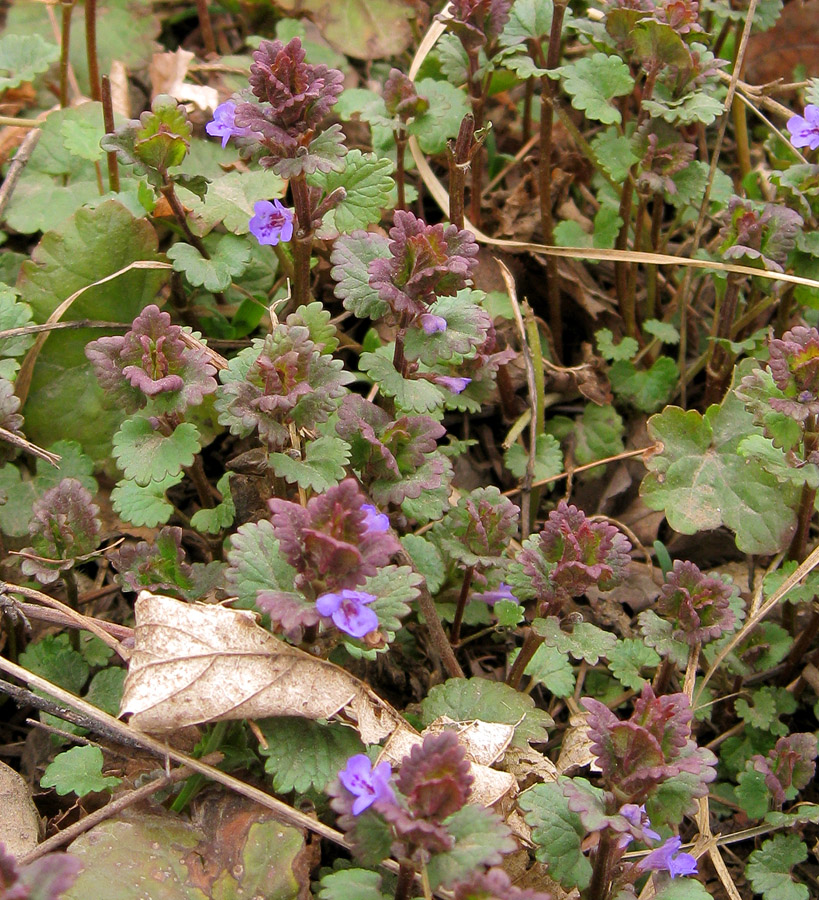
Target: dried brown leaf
x=195 y=663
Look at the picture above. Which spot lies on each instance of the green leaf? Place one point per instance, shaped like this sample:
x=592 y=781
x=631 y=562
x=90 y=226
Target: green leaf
x=395 y=589
x=598 y=435
x=41 y=205
x=426 y=557
x=768 y=704
x=368 y=182
x=303 y=755
x=82 y=138
x=508 y=613
x=614 y=153
x=528 y=20
x=229 y=258
x=701 y=482
x=212 y=521
x=105 y=690
x=54 y=659
x=592 y=81
x=352 y=884
x=463 y=699
x=23 y=57
x=774 y=460
x=411 y=395
x=807 y=812
x=442 y=119
x=691 y=182
x=663 y=331
x=256 y=563
x=467 y=326
x=550 y=667
x=682 y=889
x=78 y=771
x=326 y=153
x=626 y=349
x=696 y=107
x=647 y=391
x=627 y=658
x=230 y=199
x=586 y=641
x=769 y=868
x=351 y=257
x=753 y=793
x=144 y=505
x=557 y=833
x=548 y=458
x=481 y=838
x=322 y=466
x=146 y=455
x=94 y=650
x=804 y=592
x=65 y=400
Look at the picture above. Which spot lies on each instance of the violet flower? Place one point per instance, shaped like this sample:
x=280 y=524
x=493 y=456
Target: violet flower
x=668 y=857
x=432 y=324
x=223 y=124
x=453 y=383
x=501 y=592
x=637 y=816
x=374 y=520
x=272 y=222
x=349 y=612
x=805 y=129
x=365 y=783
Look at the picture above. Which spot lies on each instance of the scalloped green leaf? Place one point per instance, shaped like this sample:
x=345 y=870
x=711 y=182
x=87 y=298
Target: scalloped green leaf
x=593 y=81
x=145 y=506
x=229 y=257
x=78 y=771
x=427 y=559
x=627 y=659
x=351 y=256
x=212 y=521
x=550 y=668
x=255 y=562
x=368 y=181
x=411 y=395
x=467 y=325
x=598 y=434
x=147 y=455
x=321 y=468
x=463 y=699
x=769 y=868
x=701 y=483
x=352 y=884
x=585 y=641
x=230 y=200
x=528 y=20
x=395 y=589
x=53 y=658
x=442 y=118
x=646 y=390
x=548 y=458
x=23 y=57
x=302 y=755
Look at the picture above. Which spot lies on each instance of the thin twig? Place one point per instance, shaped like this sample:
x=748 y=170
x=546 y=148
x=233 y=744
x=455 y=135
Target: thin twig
x=16 y=167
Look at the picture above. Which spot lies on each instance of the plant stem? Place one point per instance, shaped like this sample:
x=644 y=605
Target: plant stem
x=455 y=631
x=108 y=122
x=91 y=48
x=302 y=240
x=799 y=543
x=206 y=27
x=65 y=46
x=72 y=597
x=193 y=785
x=406 y=880
x=400 y=150
x=398 y=358
x=477 y=96
x=530 y=646
x=720 y=359
x=459 y=159
x=664 y=676
x=179 y=214
x=598 y=888
x=739 y=117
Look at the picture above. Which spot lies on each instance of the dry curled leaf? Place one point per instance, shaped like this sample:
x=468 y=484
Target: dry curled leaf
x=195 y=663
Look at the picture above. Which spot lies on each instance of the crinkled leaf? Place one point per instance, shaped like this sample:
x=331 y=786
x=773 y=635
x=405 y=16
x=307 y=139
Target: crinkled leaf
x=769 y=868
x=78 y=771
x=696 y=107
x=351 y=257
x=82 y=138
x=317 y=320
x=464 y=699
x=682 y=889
x=144 y=505
x=395 y=588
x=663 y=331
x=53 y=658
x=368 y=182
x=256 y=563
x=467 y=326
x=593 y=81
x=426 y=558
x=548 y=458
x=411 y=395
x=627 y=658
x=753 y=794
x=690 y=184
x=442 y=118
x=528 y=20
x=212 y=521
x=14 y=314
x=615 y=154
x=303 y=755
x=657 y=633
x=23 y=57
x=804 y=592
x=352 y=884
x=322 y=466
x=647 y=390
x=701 y=482
x=557 y=833
x=586 y=641
x=105 y=690
x=430 y=505
x=550 y=667
x=228 y=260
x=773 y=460
x=598 y=435
x=768 y=703
x=624 y=350
x=481 y=839
x=325 y=153
x=146 y=455
x=230 y=199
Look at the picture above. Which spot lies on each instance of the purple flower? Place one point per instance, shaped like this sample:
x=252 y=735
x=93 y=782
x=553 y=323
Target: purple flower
x=432 y=324
x=367 y=784
x=453 y=383
x=501 y=592
x=636 y=816
x=805 y=130
x=669 y=858
x=271 y=223
x=348 y=610
x=374 y=520
x=223 y=125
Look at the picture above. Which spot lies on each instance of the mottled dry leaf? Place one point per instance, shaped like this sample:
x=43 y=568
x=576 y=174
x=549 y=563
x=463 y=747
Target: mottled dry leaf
x=19 y=822
x=575 y=752
x=195 y=663
x=484 y=742
x=490 y=785
x=168 y=71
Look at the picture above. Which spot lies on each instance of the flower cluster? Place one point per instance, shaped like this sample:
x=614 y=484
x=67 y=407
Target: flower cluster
x=478 y=22
x=697 y=604
x=653 y=745
x=804 y=130
x=789 y=767
x=753 y=235
x=794 y=367
x=669 y=858
x=478 y=530
x=426 y=261
x=401 y=98
x=224 y=124
x=272 y=223
x=151 y=364
x=570 y=555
